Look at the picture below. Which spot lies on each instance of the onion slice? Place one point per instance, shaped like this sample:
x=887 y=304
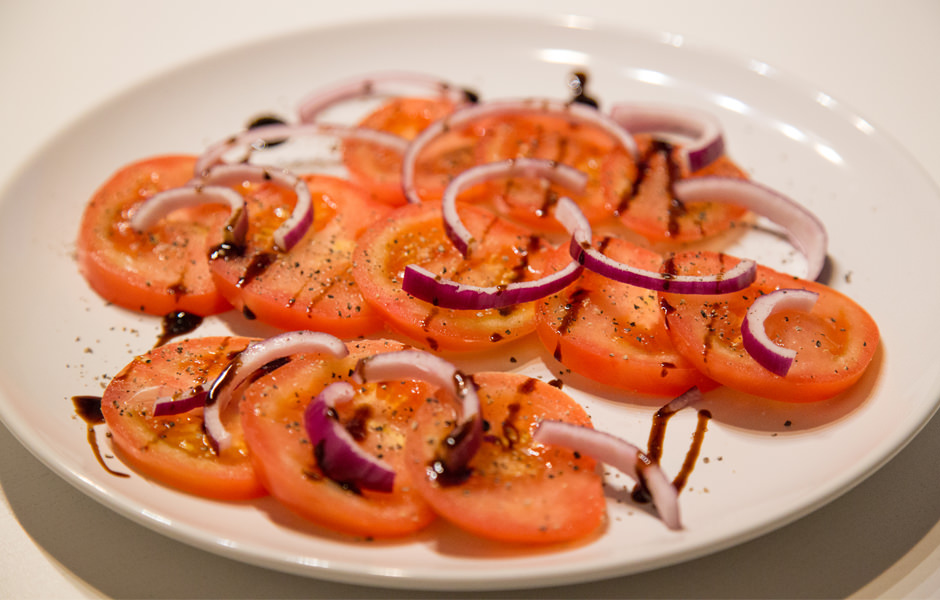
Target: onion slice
x=161 y=204
x=559 y=173
x=389 y=83
x=259 y=137
x=579 y=112
x=464 y=441
x=250 y=360
x=758 y=344
x=803 y=228
x=169 y=405
x=568 y=213
x=706 y=143
x=291 y=230
x=337 y=453
x=620 y=454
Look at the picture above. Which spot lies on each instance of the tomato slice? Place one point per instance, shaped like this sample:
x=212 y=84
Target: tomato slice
x=174 y=450
x=516 y=490
x=835 y=342
x=615 y=333
x=311 y=286
x=160 y=271
x=414 y=234
x=379 y=169
x=548 y=137
x=640 y=193
x=272 y=416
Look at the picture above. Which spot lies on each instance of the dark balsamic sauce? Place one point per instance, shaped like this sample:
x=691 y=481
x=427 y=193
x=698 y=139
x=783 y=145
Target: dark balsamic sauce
x=578 y=85
x=89 y=409
x=176 y=324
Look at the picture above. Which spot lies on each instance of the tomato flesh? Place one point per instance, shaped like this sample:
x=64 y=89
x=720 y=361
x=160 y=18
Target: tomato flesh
x=158 y=271
x=834 y=343
x=174 y=449
x=516 y=490
x=272 y=417
x=615 y=333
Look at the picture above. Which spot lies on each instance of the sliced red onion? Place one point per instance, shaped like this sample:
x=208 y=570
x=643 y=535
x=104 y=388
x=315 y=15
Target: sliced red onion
x=577 y=111
x=390 y=83
x=158 y=206
x=248 y=361
x=446 y=293
x=620 y=454
x=293 y=229
x=774 y=358
x=803 y=228
x=168 y=405
x=258 y=137
x=570 y=215
x=706 y=143
x=531 y=168
x=337 y=453
x=464 y=441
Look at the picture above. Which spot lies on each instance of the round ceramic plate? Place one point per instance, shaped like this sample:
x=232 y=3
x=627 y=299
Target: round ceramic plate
x=762 y=464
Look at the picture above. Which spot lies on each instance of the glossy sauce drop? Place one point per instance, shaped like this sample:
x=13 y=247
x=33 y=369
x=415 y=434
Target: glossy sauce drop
x=176 y=324
x=89 y=409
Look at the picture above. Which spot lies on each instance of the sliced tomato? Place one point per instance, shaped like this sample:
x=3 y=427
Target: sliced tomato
x=379 y=169
x=615 y=333
x=514 y=490
x=272 y=416
x=160 y=271
x=549 y=137
x=174 y=450
x=640 y=193
x=414 y=234
x=834 y=342
x=311 y=286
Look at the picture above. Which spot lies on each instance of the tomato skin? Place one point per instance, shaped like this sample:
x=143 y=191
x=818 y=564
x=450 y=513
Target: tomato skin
x=159 y=271
x=518 y=491
x=639 y=193
x=379 y=169
x=616 y=333
x=835 y=342
x=174 y=449
x=415 y=234
x=311 y=286
x=272 y=417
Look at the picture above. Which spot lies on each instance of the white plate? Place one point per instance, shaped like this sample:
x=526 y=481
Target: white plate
x=756 y=473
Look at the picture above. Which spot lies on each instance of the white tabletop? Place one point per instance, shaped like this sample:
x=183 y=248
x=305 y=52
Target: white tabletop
x=59 y=59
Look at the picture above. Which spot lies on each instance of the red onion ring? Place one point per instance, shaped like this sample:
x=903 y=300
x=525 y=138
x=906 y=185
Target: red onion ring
x=568 y=213
x=338 y=455
x=620 y=454
x=291 y=230
x=578 y=111
x=555 y=172
x=465 y=439
x=758 y=344
x=258 y=137
x=703 y=130
x=168 y=405
x=249 y=360
x=391 y=83
x=158 y=206
x=803 y=228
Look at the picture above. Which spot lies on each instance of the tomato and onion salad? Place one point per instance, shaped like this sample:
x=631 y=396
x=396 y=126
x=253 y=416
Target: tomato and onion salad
x=446 y=230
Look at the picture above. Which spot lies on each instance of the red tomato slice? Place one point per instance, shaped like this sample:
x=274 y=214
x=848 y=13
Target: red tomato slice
x=616 y=333
x=174 y=450
x=835 y=342
x=549 y=137
x=272 y=416
x=516 y=490
x=414 y=234
x=163 y=270
x=379 y=169
x=311 y=286
x=641 y=194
